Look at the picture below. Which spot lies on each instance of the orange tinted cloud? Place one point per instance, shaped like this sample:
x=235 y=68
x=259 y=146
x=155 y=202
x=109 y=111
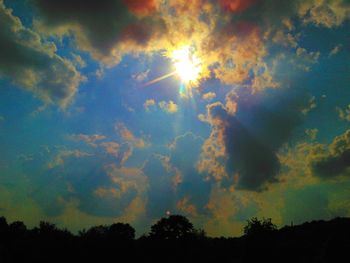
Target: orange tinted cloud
x=236 y=5
x=185 y=206
x=142 y=7
x=88 y=139
x=111 y=147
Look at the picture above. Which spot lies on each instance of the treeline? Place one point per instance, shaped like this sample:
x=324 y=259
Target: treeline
x=175 y=239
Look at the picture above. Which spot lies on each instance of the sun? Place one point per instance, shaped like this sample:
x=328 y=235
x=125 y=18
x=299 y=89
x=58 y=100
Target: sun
x=187 y=65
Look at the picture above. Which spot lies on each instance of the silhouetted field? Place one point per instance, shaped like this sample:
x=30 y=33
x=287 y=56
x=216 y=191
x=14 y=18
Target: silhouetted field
x=174 y=239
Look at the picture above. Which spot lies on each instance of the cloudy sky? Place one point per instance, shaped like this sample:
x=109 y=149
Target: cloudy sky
x=220 y=110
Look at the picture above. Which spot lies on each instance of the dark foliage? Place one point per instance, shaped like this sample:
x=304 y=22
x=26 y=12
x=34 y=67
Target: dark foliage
x=174 y=239
x=256 y=227
x=172 y=228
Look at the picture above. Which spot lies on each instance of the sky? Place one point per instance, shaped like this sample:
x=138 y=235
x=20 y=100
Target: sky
x=131 y=110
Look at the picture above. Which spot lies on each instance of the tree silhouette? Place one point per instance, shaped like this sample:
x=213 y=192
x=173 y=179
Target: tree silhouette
x=3 y=224
x=3 y=228
x=96 y=232
x=120 y=231
x=175 y=236
x=17 y=228
x=47 y=228
x=256 y=227
x=172 y=227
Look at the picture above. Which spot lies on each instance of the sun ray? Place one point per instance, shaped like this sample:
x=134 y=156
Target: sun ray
x=159 y=79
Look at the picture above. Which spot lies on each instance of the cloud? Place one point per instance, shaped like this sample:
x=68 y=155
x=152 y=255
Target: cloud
x=335 y=50
x=177 y=177
x=306 y=58
x=344 y=114
x=141 y=76
x=232 y=47
x=129 y=137
x=326 y=13
x=243 y=42
x=314 y=161
x=121 y=150
x=33 y=64
x=236 y=6
x=100 y=182
x=185 y=152
x=75 y=219
x=148 y=103
x=311 y=105
x=328 y=161
x=236 y=50
x=174 y=183
x=213 y=156
x=209 y=96
x=242 y=147
x=106 y=29
x=161 y=193
x=130 y=140
x=112 y=148
x=64 y=154
x=88 y=139
x=185 y=207
x=142 y=7
x=312 y=133
x=223 y=207
x=231 y=102
x=169 y=107
x=126 y=178
x=79 y=62
x=285 y=39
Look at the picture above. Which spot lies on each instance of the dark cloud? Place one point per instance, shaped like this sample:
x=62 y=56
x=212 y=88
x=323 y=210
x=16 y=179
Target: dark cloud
x=104 y=28
x=332 y=160
x=33 y=64
x=250 y=139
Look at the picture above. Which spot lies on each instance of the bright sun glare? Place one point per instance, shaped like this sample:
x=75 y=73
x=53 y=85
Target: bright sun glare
x=187 y=65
